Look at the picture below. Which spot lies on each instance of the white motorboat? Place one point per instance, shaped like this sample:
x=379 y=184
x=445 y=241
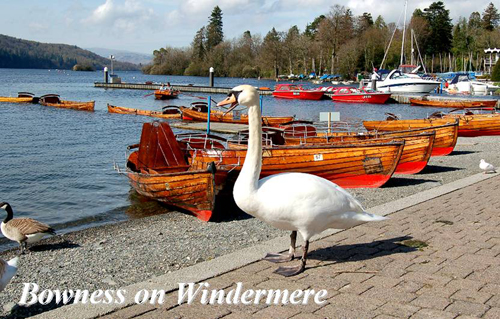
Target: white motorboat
x=462 y=83
x=397 y=82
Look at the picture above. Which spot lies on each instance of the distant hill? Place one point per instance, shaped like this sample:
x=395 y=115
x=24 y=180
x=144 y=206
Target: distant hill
x=124 y=56
x=24 y=54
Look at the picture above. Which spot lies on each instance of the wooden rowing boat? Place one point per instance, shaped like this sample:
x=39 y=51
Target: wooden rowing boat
x=416 y=151
x=473 y=125
x=166 y=94
x=55 y=101
x=348 y=165
x=22 y=97
x=159 y=171
x=455 y=103
x=446 y=131
x=169 y=113
x=218 y=116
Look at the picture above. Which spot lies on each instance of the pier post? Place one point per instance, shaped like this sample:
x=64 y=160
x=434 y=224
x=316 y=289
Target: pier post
x=211 y=77
x=106 y=74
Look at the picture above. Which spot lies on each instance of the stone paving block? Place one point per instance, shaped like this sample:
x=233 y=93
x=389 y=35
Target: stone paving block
x=307 y=316
x=394 y=294
x=460 y=307
x=382 y=282
x=493 y=313
x=491 y=288
x=398 y=310
x=255 y=267
x=442 y=292
x=495 y=300
x=384 y=316
x=434 y=302
x=456 y=270
x=277 y=312
x=465 y=284
x=194 y=310
x=130 y=312
x=238 y=315
x=429 y=279
x=472 y=296
x=433 y=314
x=355 y=288
x=409 y=286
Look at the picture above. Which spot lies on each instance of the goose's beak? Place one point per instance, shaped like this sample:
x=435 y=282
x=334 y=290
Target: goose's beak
x=232 y=100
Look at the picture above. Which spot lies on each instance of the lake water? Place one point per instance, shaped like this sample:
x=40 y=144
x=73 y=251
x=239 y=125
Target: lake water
x=57 y=164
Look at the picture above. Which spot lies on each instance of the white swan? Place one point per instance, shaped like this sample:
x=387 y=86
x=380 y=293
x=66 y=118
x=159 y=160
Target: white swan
x=299 y=202
x=7 y=270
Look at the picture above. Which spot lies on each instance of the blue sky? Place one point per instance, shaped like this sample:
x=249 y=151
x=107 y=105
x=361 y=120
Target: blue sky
x=142 y=26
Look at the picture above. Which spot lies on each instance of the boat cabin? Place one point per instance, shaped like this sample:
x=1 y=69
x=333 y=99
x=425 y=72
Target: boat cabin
x=289 y=87
x=50 y=98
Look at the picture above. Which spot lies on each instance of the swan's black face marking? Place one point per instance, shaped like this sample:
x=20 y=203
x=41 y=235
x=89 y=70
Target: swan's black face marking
x=236 y=94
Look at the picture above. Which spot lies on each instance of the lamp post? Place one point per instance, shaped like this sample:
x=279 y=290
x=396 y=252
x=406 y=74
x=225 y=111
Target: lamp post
x=112 y=57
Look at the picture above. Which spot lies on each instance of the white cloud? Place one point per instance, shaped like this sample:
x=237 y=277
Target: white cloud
x=127 y=16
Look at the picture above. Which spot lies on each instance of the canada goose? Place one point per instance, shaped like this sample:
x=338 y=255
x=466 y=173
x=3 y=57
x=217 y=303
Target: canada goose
x=298 y=202
x=23 y=230
x=7 y=270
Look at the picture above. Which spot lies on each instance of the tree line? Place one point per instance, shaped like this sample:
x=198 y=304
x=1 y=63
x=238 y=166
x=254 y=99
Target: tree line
x=24 y=54
x=337 y=42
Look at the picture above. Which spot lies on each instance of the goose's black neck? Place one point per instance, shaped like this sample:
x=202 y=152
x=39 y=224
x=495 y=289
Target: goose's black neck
x=10 y=213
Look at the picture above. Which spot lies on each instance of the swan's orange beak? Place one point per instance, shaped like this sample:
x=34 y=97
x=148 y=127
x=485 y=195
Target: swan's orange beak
x=231 y=99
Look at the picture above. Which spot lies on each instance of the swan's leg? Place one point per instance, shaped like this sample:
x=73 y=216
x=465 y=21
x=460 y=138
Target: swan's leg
x=22 y=245
x=281 y=258
x=295 y=270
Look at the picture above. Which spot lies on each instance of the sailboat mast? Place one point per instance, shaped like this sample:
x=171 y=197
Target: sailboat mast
x=411 y=33
x=404 y=31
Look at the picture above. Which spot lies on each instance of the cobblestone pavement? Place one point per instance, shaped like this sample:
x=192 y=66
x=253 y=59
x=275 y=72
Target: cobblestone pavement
x=438 y=259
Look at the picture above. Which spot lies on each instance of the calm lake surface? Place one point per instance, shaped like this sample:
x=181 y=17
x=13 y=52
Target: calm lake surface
x=57 y=164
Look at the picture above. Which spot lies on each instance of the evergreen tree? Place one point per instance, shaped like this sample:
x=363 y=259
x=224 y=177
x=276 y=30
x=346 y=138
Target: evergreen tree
x=272 y=48
x=440 y=26
x=475 y=20
x=198 y=44
x=491 y=17
x=364 y=22
x=380 y=23
x=214 y=29
x=312 y=28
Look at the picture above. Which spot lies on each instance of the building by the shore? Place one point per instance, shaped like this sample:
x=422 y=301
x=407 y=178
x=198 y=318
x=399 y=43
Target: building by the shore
x=494 y=56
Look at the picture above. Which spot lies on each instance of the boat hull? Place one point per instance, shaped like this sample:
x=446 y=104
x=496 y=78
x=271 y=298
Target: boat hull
x=80 y=106
x=193 y=191
x=349 y=166
x=478 y=125
x=416 y=151
x=373 y=98
x=454 y=104
x=7 y=99
x=166 y=94
x=300 y=95
x=446 y=131
x=127 y=110
x=216 y=116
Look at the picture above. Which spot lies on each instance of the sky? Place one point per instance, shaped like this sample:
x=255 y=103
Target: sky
x=143 y=26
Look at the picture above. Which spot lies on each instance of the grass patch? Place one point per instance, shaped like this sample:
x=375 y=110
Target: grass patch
x=414 y=243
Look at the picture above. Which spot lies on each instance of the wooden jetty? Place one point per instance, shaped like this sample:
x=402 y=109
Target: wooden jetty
x=400 y=98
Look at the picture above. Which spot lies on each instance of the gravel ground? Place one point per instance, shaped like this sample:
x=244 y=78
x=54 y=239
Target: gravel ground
x=115 y=255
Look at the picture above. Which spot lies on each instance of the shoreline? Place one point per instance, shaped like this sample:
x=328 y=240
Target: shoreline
x=120 y=254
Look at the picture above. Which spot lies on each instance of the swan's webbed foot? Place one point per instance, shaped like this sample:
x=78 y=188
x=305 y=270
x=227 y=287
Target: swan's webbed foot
x=289 y=271
x=279 y=258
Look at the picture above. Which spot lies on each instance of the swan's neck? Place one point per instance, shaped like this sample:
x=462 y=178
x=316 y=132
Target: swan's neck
x=250 y=172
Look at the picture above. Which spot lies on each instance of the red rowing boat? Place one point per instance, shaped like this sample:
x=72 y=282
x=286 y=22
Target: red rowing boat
x=294 y=91
x=354 y=95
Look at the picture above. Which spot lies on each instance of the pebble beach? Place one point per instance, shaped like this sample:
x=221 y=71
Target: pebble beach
x=120 y=254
